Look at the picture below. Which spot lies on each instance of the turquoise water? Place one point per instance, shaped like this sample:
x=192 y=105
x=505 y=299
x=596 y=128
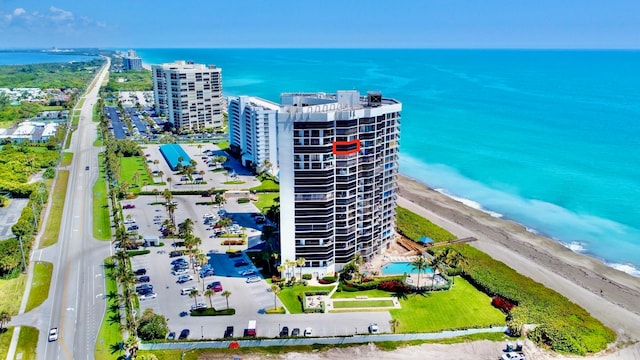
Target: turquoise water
x=399 y=268
x=21 y=58
x=546 y=138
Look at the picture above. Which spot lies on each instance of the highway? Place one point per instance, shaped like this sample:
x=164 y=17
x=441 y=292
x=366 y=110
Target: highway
x=77 y=302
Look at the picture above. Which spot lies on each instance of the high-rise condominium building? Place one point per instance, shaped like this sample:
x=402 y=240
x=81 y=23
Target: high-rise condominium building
x=252 y=129
x=338 y=160
x=189 y=94
x=131 y=61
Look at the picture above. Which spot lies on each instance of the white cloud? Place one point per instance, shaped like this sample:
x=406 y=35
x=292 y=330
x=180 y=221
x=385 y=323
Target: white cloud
x=60 y=14
x=19 y=11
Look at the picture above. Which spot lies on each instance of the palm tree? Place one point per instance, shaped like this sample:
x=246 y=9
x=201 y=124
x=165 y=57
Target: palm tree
x=419 y=264
x=209 y=293
x=155 y=192
x=226 y=294
x=290 y=264
x=394 y=323
x=185 y=228
x=280 y=269
x=167 y=195
x=300 y=263
x=200 y=148
x=5 y=317
x=135 y=178
x=169 y=181
x=131 y=345
x=171 y=208
x=194 y=294
x=161 y=174
x=156 y=162
x=275 y=289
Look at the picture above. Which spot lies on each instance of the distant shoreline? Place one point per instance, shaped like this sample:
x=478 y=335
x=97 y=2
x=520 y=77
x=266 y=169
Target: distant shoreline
x=608 y=294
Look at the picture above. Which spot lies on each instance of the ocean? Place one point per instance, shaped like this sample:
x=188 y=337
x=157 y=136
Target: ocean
x=550 y=139
x=31 y=57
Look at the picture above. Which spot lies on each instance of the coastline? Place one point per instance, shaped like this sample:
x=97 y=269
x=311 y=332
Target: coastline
x=608 y=294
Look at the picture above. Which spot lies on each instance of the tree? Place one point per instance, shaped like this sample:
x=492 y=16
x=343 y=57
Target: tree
x=394 y=323
x=226 y=294
x=200 y=148
x=420 y=264
x=156 y=162
x=209 y=293
x=169 y=181
x=275 y=289
x=194 y=294
x=152 y=326
x=5 y=317
x=131 y=346
x=300 y=263
x=155 y=192
x=185 y=228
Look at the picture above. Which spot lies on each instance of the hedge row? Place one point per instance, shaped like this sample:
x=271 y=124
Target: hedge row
x=213 y=312
x=562 y=325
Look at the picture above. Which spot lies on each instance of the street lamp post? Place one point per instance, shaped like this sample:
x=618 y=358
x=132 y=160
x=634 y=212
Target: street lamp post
x=202 y=331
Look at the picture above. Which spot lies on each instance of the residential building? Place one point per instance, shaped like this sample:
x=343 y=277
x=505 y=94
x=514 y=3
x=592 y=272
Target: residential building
x=252 y=128
x=131 y=61
x=189 y=94
x=338 y=165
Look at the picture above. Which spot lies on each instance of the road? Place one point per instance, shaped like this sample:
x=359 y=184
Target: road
x=76 y=304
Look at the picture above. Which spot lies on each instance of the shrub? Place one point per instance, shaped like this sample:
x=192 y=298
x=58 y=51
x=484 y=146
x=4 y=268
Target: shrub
x=327 y=280
x=307 y=276
x=213 y=312
x=137 y=252
x=243 y=200
x=394 y=286
x=233 y=242
x=503 y=304
x=278 y=310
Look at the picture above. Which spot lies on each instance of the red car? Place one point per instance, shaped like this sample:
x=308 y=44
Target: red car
x=128 y=206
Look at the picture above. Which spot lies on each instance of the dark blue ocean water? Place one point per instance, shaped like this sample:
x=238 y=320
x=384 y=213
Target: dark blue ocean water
x=20 y=58
x=550 y=139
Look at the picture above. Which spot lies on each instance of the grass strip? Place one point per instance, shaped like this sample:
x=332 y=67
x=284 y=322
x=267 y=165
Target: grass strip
x=5 y=341
x=11 y=291
x=40 y=284
x=375 y=293
x=362 y=304
x=289 y=296
x=52 y=231
x=109 y=335
x=67 y=157
x=101 y=217
x=27 y=343
x=265 y=201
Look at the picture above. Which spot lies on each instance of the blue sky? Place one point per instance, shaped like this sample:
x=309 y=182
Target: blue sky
x=327 y=23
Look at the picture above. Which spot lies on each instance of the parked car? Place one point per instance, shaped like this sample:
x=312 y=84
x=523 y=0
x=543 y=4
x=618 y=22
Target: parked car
x=143 y=279
x=53 y=334
x=148 y=296
x=240 y=263
x=86 y=167
x=176 y=253
x=179 y=260
x=295 y=332
x=132 y=228
x=228 y=332
x=234 y=254
x=184 y=334
x=308 y=331
x=247 y=272
x=171 y=336
x=206 y=273
x=184 y=278
x=187 y=291
x=373 y=328
x=216 y=286
x=128 y=206
x=178 y=272
x=252 y=279
x=144 y=288
x=141 y=271
x=198 y=306
x=284 y=332
x=512 y=356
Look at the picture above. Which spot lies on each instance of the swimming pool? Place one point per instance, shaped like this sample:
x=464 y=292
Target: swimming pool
x=399 y=268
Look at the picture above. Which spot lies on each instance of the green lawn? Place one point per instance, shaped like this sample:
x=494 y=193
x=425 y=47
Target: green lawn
x=11 y=291
x=265 y=200
x=463 y=306
x=267 y=185
x=52 y=231
x=415 y=226
x=361 y=304
x=80 y=103
x=131 y=165
x=52 y=108
x=67 y=157
x=40 y=285
x=109 y=334
x=96 y=113
x=27 y=342
x=375 y=293
x=67 y=142
x=289 y=296
x=101 y=217
x=223 y=145
x=5 y=340
x=234 y=182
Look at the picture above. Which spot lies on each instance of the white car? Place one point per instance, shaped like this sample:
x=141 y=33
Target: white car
x=187 y=291
x=198 y=306
x=308 y=332
x=148 y=296
x=373 y=328
x=247 y=272
x=180 y=272
x=252 y=279
x=512 y=356
x=53 y=334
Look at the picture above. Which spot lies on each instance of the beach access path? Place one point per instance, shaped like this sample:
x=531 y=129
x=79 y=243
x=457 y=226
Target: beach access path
x=608 y=294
